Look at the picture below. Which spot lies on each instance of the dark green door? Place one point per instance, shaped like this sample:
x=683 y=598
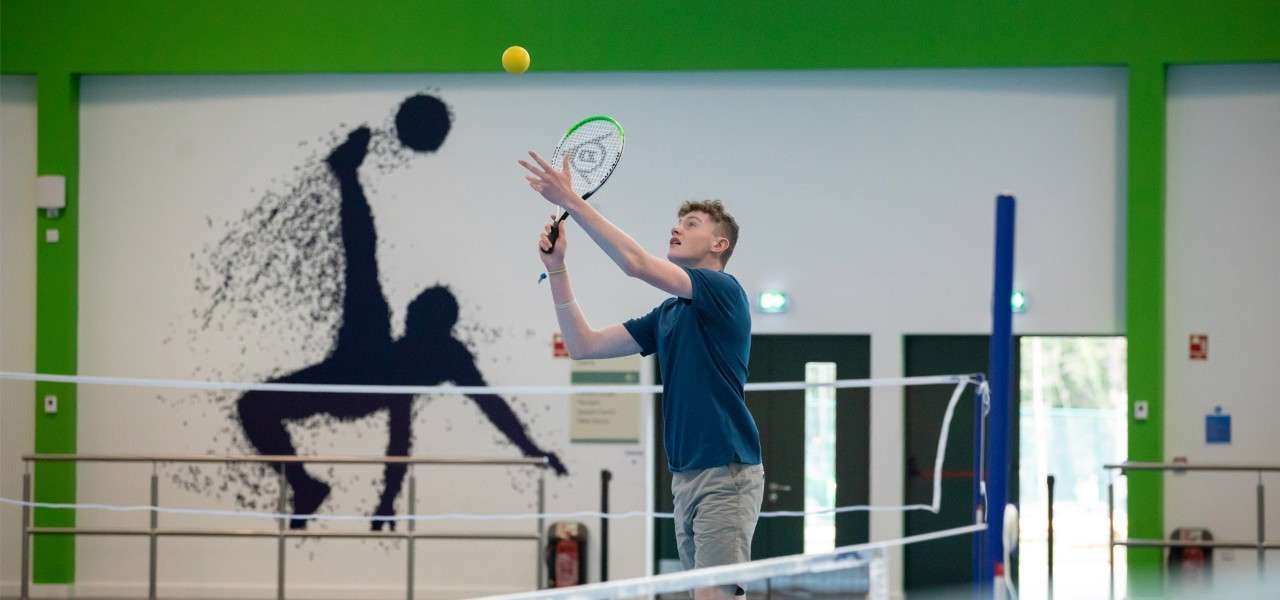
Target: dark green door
x=946 y=563
x=780 y=417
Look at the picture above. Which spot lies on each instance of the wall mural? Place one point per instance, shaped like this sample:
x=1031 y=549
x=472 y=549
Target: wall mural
x=310 y=252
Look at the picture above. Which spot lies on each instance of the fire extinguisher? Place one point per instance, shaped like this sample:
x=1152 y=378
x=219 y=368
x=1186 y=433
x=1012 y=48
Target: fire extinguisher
x=566 y=563
x=1191 y=566
x=566 y=554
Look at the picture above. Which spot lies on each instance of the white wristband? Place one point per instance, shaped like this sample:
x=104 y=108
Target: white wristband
x=566 y=305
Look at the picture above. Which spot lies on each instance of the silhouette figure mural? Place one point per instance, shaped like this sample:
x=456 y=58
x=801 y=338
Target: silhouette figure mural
x=364 y=351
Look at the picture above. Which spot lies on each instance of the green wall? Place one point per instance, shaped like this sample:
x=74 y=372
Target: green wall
x=1144 y=313
x=249 y=36
x=58 y=40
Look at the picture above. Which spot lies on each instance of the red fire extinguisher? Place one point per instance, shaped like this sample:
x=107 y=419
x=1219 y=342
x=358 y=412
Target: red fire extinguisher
x=566 y=563
x=566 y=554
x=1191 y=566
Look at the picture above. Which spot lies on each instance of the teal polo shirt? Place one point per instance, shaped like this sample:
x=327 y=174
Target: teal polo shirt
x=703 y=344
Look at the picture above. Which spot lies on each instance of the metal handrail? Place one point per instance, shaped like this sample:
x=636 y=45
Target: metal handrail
x=286 y=458
x=1241 y=545
x=282 y=532
x=1150 y=466
x=372 y=535
x=1260 y=543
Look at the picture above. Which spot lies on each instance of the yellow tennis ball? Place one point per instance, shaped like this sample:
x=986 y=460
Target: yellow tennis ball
x=515 y=60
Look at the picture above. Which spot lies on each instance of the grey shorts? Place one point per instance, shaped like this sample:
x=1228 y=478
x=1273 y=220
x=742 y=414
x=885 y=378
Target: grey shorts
x=716 y=511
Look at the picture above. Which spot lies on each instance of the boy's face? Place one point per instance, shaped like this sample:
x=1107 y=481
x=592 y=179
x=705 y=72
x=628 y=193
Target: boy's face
x=693 y=239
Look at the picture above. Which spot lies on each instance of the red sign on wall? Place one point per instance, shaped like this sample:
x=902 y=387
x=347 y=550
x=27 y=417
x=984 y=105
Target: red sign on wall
x=558 y=349
x=1199 y=346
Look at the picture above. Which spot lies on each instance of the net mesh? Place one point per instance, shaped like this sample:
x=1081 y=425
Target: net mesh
x=594 y=148
x=841 y=575
x=859 y=571
x=851 y=572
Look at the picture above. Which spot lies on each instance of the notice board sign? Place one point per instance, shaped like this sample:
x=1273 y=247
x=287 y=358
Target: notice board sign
x=605 y=418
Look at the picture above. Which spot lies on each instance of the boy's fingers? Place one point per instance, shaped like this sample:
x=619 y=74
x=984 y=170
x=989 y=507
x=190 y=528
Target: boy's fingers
x=530 y=168
x=541 y=163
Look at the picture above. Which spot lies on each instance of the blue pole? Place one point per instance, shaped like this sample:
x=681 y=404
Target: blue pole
x=1001 y=381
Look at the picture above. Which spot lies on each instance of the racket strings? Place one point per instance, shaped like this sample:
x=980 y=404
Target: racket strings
x=594 y=149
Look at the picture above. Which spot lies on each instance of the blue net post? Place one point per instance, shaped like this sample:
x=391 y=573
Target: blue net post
x=1001 y=382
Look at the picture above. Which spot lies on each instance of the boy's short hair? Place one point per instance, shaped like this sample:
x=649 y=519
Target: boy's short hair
x=726 y=225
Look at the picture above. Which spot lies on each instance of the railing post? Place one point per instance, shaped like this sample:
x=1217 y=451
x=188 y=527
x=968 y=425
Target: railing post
x=1262 y=529
x=26 y=535
x=1111 y=536
x=153 y=539
x=280 y=508
x=1051 y=482
x=409 y=527
x=606 y=476
x=542 y=508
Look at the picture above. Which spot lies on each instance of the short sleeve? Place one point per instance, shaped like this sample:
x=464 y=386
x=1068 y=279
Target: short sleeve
x=716 y=294
x=644 y=330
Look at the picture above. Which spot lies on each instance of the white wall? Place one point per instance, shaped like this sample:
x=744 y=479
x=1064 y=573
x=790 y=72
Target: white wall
x=1223 y=279
x=17 y=302
x=866 y=195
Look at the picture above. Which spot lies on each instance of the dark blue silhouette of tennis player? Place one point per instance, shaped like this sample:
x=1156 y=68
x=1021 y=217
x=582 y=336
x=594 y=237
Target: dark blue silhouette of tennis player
x=364 y=352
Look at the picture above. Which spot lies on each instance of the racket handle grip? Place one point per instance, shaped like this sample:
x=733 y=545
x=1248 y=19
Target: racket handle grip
x=555 y=233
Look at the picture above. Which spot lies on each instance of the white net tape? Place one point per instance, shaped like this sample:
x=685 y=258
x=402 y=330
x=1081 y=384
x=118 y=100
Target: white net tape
x=427 y=390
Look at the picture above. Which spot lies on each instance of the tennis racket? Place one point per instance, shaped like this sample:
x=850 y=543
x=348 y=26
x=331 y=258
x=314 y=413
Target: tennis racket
x=594 y=147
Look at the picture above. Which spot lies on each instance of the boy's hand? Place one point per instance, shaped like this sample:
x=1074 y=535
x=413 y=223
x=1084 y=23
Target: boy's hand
x=555 y=259
x=556 y=185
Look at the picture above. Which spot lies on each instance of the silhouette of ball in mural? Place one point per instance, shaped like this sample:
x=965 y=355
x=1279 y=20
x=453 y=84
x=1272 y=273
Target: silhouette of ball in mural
x=422 y=122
